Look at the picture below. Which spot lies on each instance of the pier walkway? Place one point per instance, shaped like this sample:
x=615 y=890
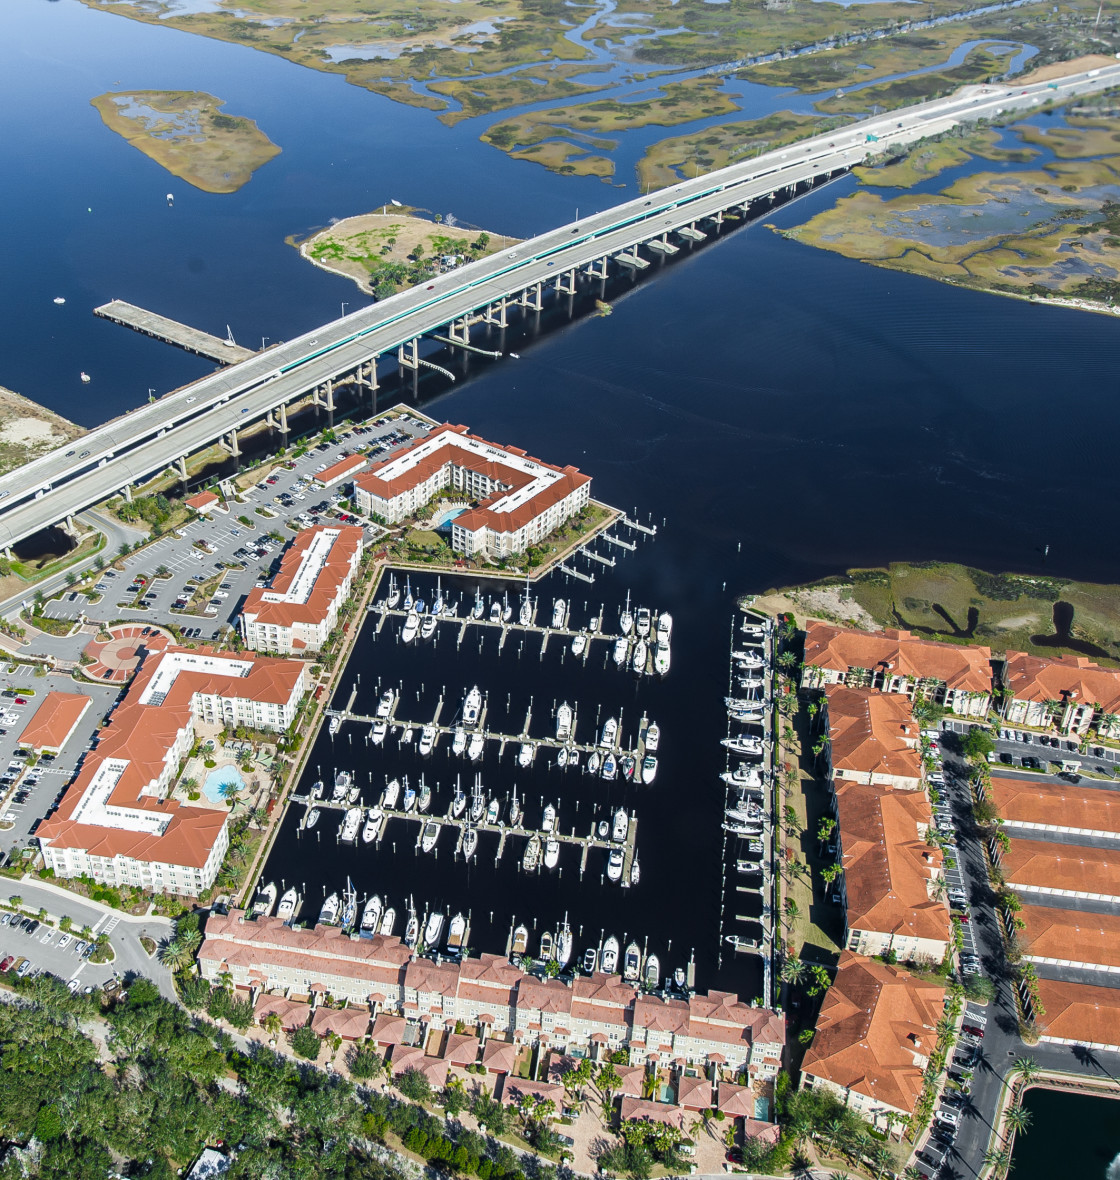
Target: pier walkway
x=201 y=343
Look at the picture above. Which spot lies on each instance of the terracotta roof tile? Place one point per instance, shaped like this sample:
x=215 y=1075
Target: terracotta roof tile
x=1076 y=935
x=1062 y=866
x=1075 y=678
x=1080 y=1012
x=872 y=733
x=1033 y=801
x=55 y=720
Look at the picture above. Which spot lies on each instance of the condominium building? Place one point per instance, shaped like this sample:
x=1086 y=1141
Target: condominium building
x=890 y=874
x=872 y=738
x=300 y=609
x=510 y=500
x=596 y=1015
x=116 y=823
x=956 y=677
x=874 y=1037
x=1070 y=692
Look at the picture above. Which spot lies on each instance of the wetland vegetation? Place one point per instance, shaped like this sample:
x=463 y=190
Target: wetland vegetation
x=185 y=132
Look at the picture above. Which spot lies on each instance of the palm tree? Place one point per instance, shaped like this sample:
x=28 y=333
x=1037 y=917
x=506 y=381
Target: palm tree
x=1026 y=1068
x=793 y=970
x=998 y=1159
x=272 y=1024
x=175 y=955
x=1017 y=1120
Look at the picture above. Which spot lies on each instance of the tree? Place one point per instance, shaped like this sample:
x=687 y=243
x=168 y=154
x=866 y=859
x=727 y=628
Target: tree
x=272 y=1024
x=414 y=1085
x=793 y=969
x=175 y=955
x=825 y=829
x=998 y=1159
x=305 y=1042
x=71 y=577
x=365 y=1063
x=607 y=1079
x=1017 y=1120
x=821 y=980
x=1026 y=1068
x=977 y=744
x=830 y=872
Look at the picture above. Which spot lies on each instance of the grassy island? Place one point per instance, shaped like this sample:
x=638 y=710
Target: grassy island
x=384 y=252
x=186 y=133
x=1039 y=613
x=1049 y=229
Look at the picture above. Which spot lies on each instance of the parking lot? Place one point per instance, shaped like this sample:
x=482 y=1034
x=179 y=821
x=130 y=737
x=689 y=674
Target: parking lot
x=205 y=548
x=1025 y=749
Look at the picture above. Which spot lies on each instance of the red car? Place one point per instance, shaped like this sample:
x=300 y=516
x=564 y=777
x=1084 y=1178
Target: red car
x=6 y=965
x=21 y=701
x=972 y=1029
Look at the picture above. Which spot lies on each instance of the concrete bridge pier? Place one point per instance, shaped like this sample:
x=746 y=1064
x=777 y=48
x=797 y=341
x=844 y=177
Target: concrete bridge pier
x=597 y=269
x=566 y=283
x=408 y=355
x=126 y=491
x=530 y=298
x=460 y=330
x=233 y=446
x=495 y=313
x=181 y=467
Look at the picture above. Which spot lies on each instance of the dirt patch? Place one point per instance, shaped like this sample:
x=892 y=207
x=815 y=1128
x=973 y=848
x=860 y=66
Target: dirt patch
x=28 y=430
x=829 y=604
x=1061 y=69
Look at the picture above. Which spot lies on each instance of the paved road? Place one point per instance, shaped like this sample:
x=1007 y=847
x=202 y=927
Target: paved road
x=43 y=492
x=124 y=933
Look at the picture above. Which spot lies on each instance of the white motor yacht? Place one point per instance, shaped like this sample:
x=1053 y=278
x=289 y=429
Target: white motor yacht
x=312 y=818
x=371 y=917
x=743 y=744
x=609 y=957
x=559 y=607
x=651 y=977
x=649 y=769
x=610 y=732
x=641 y=654
x=493 y=810
x=428 y=627
x=456 y=932
x=664 y=627
x=653 y=737
x=609 y=769
x=495 y=612
x=635 y=872
x=412 y=930
x=520 y=940
x=525 y=754
x=335 y=725
x=341 y=787
x=551 y=853
x=621 y=651
x=546 y=946
x=631 y=962
x=316 y=791
x=590 y=960
x=332 y=907
x=476 y=746
x=372 y=825
x=642 y=621
x=289 y=906
x=433 y=930
x=661 y=659
x=388 y=921
x=614 y=865
x=427 y=740
x=620 y=826
x=562 y=757
x=265 y=900
x=743 y=776
x=532 y=855
x=548 y=817
x=593 y=760
x=579 y=644
x=411 y=627
x=378 y=731
x=386 y=703
x=391 y=795
x=351 y=822
x=459 y=742
x=472 y=706
x=564 y=722
x=429 y=836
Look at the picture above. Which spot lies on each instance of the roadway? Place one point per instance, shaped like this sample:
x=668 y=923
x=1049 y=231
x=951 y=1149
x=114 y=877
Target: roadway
x=147 y=440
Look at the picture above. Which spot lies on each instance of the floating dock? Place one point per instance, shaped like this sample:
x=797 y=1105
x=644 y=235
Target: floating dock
x=225 y=352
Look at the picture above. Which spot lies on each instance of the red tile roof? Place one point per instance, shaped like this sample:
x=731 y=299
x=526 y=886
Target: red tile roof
x=1075 y=935
x=54 y=720
x=202 y=501
x=341 y=469
x=1068 y=678
x=873 y=1022
x=644 y=1110
x=872 y=733
x=694 y=1093
x=899 y=653
x=887 y=863
x=499 y=1056
x=461 y=1048
x=1080 y=1012
x=1062 y=866
x=1033 y=801
x=349 y=1023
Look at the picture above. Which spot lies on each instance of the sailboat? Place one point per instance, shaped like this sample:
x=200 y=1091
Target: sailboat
x=515 y=811
x=470 y=842
x=408 y=599
x=564 y=943
x=394 y=595
x=507 y=610
x=479 y=606
x=525 y=617
x=424 y=798
x=437 y=602
x=289 y=906
x=349 y=906
x=625 y=618
x=478 y=802
x=458 y=801
x=412 y=926
x=593 y=761
x=409 y=800
x=266 y=899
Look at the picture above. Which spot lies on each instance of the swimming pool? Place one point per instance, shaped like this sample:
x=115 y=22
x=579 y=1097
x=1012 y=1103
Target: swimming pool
x=216 y=779
x=445 y=518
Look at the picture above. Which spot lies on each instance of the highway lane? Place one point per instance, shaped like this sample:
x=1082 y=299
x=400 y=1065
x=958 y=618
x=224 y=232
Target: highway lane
x=154 y=436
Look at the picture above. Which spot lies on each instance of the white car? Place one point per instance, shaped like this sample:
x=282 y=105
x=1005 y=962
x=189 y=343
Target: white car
x=64 y=941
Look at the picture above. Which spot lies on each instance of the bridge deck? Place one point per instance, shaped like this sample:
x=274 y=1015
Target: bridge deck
x=192 y=339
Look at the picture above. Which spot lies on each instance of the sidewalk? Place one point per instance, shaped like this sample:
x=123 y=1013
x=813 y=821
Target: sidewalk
x=77 y=899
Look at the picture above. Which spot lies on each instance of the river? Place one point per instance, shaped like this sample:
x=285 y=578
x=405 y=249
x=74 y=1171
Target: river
x=786 y=413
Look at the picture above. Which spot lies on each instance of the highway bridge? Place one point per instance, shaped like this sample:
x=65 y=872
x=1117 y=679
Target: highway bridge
x=109 y=460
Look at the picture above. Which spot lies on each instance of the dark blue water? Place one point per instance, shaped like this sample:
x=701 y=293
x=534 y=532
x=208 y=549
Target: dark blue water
x=1091 y=1153
x=787 y=413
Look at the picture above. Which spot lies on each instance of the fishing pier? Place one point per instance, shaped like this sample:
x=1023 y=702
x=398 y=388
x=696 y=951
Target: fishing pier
x=225 y=352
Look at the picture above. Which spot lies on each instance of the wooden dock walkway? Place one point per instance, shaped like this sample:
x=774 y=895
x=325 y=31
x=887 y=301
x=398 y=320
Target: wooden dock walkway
x=201 y=343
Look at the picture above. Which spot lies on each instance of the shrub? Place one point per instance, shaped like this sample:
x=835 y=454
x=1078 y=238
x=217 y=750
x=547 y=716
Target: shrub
x=305 y=1042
